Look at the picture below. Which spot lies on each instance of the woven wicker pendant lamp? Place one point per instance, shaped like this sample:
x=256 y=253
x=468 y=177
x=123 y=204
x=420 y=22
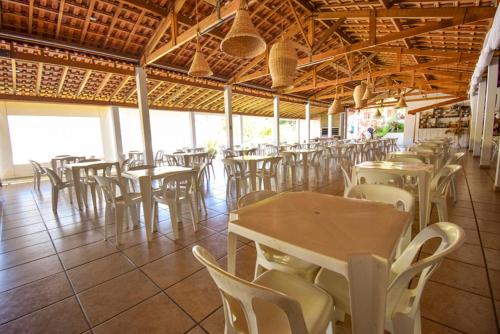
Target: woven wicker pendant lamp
x=199 y=67
x=368 y=92
x=336 y=107
x=401 y=103
x=283 y=63
x=357 y=95
x=243 y=40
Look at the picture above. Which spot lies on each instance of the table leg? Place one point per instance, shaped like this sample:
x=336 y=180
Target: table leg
x=424 y=192
x=53 y=164
x=252 y=165
x=231 y=252
x=187 y=161
x=147 y=205
x=75 y=172
x=368 y=279
x=306 y=167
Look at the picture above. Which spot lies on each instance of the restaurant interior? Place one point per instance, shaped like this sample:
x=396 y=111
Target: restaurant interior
x=249 y=166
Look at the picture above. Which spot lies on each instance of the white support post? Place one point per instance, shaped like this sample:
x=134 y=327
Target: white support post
x=142 y=100
x=192 y=128
x=330 y=123
x=298 y=130
x=489 y=113
x=478 y=128
x=472 y=123
x=117 y=132
x=343 y=125
x=276 y=121
x=6 y=156
x=242 y=134
x=308 y=121
x=228 y=112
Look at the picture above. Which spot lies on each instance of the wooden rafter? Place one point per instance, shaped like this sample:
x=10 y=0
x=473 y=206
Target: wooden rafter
x=419 y=13
x=103 y=84
x=436 y=105
x=62 y=80
x=87 y=20
x=86 y=77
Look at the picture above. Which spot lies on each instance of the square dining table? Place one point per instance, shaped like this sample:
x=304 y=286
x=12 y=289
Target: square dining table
x=252 y=161
x=75 y=169
x=423 y=172
x=355 y=238
x=145 y=178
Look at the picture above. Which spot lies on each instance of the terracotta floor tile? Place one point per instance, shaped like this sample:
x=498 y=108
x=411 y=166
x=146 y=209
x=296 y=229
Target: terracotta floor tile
x=491 y=240
x=150 y=251
x=188 y=236
x=77 y=240
x=87 y=253
x=431 y=327
x=98 y=271
x=26 y=254
x=495 y=283
x=29 y=272
x=62 y=317
x=488 y=226
x=172 y=268
x=31 y=297
x=196 y=330
x=20 y=231
x=218 y=223
x=187 y=294
x=157 y=314
x=492 y=258
x=214 y=324
x=462 y=276
x=117 y=295
x=458 y=309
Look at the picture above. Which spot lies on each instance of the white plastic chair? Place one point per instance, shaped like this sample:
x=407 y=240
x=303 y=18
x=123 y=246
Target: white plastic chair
x=175 y=189
x=380 y=178
x=38 y=171
x=440 y=185
x=269 y=258
x=58 y=185
x=401 y=200
x=275 y=302
x=403 y=302
x=345 y=168
x=455 y=159
x=235 y=171
x=268 y=172
x=117 y=205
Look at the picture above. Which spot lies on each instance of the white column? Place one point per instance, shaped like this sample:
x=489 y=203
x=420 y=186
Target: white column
x=330 y=123
x=489 y=113
x=343 y=125
x=117 y=132
x=228 y=112
x=242 y=134
x=6 y=157
x=298 y=130
x=478 y=127
x=192 y=128
x=142 y=100
x=308 y=121
x=276 y=120
x=111 y=134
x=472 y=123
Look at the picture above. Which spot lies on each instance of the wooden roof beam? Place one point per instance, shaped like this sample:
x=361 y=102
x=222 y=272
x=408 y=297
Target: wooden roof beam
x=415 y=13
x=61 y=81
x=436 y=105
x=211 y=21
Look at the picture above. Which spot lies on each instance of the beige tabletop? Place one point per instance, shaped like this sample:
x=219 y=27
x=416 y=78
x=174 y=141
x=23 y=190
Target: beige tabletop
x=393 y=165
x=330 y=225
x=252 y=166
x=156 y=172
x=355 y=238
x=252 y=157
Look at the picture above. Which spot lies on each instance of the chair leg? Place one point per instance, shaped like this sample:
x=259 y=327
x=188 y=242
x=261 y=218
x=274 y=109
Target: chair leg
x=173 y=220
x=70 y=195
x=119 y=211
x=133 y=214
x=93 y=194
x=55 y=197
x=194 y=216
x=155 y=217
x=442 y=210
x=107 y=218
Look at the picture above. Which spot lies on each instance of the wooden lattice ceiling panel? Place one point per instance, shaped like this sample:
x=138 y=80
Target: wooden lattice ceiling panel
x=415 y=45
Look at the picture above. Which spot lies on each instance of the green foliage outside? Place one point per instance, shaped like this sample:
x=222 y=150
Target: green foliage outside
x=394 y=124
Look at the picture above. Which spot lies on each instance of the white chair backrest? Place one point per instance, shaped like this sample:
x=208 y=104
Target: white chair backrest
x=399 y=295
x=345 y=167
x=109 y=186
x=233 y=167
x=239 y=298
x=178 y=184
x=441 y=181
x=380 y=178
x=270 y=165
x=399 y=198
x=37 y=168
x=55 y=180
x=254 y=196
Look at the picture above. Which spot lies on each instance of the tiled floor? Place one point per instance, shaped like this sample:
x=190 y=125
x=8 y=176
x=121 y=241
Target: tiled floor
x=58 y=275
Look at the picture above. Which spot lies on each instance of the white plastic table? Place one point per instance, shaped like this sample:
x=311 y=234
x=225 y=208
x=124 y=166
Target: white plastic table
x=188 y=156
x=252 y=161
x=423 y=172
x=145 y=178
x=75 y=172
x=429 y=157
x=355 y=238
x=305 y=161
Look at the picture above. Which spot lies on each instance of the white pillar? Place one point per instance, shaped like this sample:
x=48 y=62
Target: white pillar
x=298 y=130
x=343 y=125
x=228 y=112
x=276 y=120
x=6 y=157
x=242 y=134
x=478 y=128
x=308 y=121
x=489 y=113
x=472 y=123
x=142 y=100
x=330 y=123
x=111 y=134
x=192 y=128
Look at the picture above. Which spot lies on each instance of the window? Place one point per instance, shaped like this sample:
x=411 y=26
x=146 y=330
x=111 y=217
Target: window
x=169 y=130
x=210 y=130
x=288 y=131
x=41 y=138
x=257 y=130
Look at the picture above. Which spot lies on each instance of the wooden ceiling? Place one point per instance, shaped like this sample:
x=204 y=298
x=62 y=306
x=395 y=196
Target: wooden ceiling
x=85 y=51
